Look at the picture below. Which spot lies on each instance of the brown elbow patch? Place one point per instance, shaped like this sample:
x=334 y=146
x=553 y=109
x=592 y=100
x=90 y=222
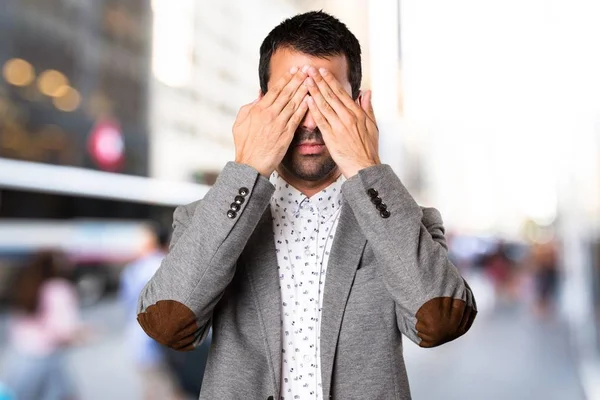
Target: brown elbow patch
x=170 y=323
x=442 y=320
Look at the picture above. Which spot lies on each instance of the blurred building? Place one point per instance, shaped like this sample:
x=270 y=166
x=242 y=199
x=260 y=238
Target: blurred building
x=74 y=106
x=68 y=66
x=74 y=92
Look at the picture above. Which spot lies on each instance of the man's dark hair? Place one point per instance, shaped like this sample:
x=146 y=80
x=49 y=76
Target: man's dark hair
x=315 y=33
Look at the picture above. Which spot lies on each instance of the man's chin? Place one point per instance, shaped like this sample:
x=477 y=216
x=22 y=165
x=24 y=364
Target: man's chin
x=311 y=168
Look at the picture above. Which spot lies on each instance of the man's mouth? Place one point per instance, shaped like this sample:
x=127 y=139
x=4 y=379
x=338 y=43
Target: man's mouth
x=310 y=147
x=310 y=144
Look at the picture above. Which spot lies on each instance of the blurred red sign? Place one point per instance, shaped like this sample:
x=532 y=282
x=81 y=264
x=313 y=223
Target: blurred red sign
x=106 y=145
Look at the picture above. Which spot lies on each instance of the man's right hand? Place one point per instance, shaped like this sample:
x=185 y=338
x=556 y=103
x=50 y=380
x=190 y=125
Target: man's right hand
x=264 y=129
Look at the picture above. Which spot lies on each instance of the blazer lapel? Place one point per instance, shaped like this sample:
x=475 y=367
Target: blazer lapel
x=346 y=251
x=261 y=265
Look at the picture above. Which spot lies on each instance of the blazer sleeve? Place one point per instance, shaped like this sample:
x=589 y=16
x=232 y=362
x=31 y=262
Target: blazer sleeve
x=434 y=304
x=175 y=307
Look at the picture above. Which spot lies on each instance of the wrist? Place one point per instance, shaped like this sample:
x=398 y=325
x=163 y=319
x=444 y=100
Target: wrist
x=262 y=170
x=355 y=168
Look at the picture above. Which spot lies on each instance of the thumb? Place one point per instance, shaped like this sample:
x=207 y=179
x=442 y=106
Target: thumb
x=367 y=105
x=245 y=110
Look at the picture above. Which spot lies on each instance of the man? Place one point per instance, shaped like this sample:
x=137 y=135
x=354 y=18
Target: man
x=308 y=258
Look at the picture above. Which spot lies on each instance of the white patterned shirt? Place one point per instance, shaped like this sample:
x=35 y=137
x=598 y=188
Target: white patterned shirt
x=303 y=232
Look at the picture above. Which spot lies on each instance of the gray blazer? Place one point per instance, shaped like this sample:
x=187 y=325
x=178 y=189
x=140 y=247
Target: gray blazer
x=388 y=275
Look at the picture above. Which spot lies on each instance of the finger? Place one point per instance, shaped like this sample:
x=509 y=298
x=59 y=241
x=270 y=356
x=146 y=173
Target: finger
x=320 y=119
x=288 y=92
x=338 y=89
x=367 y=105
x=298 y=115
x=334 y=101
x=325 y=108
x=371 y=125
x=274 y=90
x=293 y=104
x=245 y=110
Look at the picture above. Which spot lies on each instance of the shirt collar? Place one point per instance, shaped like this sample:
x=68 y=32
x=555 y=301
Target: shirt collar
x=327 y=202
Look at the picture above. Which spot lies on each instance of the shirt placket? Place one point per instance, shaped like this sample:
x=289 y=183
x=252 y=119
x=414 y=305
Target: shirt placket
x=311 y=297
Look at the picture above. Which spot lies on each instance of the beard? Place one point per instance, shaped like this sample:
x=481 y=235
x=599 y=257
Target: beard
x=308 y=167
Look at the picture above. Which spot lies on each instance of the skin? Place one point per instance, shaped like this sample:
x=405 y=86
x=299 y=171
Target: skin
x=308 y=171
x=307 y=126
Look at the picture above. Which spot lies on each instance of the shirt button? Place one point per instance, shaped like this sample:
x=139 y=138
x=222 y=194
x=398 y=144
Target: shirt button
x=307 y=252
x=307 y=358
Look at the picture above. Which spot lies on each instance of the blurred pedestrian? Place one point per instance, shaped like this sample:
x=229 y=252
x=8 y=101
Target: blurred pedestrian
x=501 y=271
x=44 y=323
x=147 y=354
x=546 y=275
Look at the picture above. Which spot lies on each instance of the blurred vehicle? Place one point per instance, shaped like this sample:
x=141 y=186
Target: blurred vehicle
x=97 y=250
x=96 y=218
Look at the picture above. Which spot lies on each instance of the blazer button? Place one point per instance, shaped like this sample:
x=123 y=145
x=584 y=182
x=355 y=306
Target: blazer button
x=239 y=200
x=372 y=192
x=244 y=191
x=376 y=200
x=381 y=207
x=231 y=214
x=385 y=214
x=234 y=207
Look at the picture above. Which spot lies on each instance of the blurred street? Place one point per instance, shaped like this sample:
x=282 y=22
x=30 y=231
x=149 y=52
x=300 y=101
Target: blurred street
x=507 y=355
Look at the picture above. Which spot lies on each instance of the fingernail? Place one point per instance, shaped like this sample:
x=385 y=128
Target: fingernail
x=305 y=68
x=293 y=70
x=312 y=71
x=323 y=71
x=309 y=81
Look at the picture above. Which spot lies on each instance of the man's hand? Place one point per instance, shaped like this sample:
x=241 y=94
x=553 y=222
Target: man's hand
x=264 y=129
x=349 y=130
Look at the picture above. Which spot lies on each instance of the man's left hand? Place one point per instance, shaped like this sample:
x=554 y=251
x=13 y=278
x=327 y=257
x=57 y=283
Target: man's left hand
x=349 y=129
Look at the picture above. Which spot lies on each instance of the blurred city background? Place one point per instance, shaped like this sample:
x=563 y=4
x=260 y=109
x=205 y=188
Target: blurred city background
x=114 y=112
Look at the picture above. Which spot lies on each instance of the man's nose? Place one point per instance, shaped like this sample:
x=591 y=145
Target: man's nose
x=308 y=122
